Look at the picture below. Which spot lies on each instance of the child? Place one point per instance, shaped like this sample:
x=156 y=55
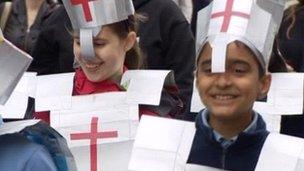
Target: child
x=105 y=47
x=229 y=133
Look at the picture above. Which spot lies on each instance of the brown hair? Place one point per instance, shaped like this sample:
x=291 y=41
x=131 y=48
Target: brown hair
x=291 y=15
x=134 y=59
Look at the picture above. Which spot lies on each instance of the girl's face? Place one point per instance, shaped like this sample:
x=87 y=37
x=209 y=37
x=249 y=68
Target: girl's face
x=110 y=51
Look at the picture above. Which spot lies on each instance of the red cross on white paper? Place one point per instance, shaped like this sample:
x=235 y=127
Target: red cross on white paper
x=85 y=7
x=227 y=14
x=93 y=136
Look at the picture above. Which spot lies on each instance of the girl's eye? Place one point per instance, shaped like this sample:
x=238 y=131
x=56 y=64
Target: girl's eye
x=99 y=43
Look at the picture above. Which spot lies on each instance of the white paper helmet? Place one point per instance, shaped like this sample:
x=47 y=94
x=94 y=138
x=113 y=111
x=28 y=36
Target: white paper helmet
x=252 y=22
x=88 y=17
x=14 y=62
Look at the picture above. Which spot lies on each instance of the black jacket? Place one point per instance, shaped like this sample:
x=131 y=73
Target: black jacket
x=167 y=42
x=53 y=52
x=242 y=155
x=16 y=26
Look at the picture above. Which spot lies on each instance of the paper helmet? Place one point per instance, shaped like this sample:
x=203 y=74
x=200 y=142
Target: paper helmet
x=88 y=17
x=14 y=62
x=252 y=22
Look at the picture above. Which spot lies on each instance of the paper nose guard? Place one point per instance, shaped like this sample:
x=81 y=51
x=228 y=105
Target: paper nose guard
x=86 y=44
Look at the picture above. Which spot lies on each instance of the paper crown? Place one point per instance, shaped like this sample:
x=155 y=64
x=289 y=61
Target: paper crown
x=14 y=63
x=253 y=22
x=88 y=16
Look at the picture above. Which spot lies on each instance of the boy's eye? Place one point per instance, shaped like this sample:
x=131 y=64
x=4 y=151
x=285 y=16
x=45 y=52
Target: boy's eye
x=77 y=41
x=205 y=69
x=240 y=69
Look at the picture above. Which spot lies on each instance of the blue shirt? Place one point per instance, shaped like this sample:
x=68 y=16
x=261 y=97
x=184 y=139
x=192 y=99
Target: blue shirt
x=227 y=142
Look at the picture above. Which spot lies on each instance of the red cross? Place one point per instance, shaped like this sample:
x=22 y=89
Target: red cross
x=227 y=14
x=93 y=136
x=85 y=7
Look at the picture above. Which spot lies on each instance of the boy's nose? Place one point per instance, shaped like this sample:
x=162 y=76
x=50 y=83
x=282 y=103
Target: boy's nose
x=223 y=80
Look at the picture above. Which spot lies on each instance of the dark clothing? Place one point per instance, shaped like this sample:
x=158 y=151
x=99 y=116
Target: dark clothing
x=53 y=52
x=19 y=154
x=167 y=42
x=243 y=154
x=292 y=49
x=197 y=6
x=16 y=27
x=49 y=147
x=293 y=125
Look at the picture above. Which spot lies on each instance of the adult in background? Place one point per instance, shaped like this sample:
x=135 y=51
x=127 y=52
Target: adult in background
x=166 y=40
x=186 y=6
x=53 y=52
x=21 y=21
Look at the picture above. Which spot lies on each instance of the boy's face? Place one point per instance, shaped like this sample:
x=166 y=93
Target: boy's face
x=231 y=94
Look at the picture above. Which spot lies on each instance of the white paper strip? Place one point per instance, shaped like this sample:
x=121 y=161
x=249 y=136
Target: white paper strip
x=54 y=92
x=14 y=63
x=161 y=144
x=281 y=153
x=285 y=96
x=16 y=105
x=144 y=86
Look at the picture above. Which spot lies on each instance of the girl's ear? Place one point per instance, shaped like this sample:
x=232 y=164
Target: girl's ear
x=130 y=41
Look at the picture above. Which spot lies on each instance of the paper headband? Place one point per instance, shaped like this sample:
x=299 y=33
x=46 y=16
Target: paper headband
x=253 y=22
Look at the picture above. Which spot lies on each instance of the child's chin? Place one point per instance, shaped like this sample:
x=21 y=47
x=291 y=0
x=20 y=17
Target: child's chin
x=95 y=79
x=223 y=114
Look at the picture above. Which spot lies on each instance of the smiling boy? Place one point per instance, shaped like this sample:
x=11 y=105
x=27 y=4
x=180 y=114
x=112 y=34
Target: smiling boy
x=229 y=133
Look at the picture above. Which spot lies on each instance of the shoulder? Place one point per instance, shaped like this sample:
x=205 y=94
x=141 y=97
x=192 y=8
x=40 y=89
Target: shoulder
x=18 y=153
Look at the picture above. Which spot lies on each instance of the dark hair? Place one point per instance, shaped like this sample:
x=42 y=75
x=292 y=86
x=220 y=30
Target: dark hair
x=291 y=15
x=134 y=59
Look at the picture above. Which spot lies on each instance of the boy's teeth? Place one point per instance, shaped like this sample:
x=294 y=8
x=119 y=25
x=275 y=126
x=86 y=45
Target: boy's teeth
x=223 y=97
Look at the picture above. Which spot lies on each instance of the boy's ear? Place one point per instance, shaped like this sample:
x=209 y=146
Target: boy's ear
x=130 y=41
x=265 y=83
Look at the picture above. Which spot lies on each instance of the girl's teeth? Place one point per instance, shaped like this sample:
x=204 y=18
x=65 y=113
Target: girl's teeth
x=91 y=65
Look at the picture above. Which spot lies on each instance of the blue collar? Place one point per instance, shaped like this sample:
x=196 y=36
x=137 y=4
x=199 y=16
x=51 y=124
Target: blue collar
x=225 y=143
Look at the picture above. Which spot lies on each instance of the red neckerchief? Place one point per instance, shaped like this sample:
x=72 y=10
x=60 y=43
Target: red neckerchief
x=83 y=86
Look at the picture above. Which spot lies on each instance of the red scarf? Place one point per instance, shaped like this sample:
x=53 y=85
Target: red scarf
x=83 y=86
